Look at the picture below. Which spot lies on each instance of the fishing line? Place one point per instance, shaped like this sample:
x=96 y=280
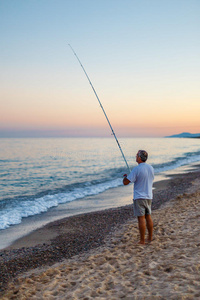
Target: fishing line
x=113 y=133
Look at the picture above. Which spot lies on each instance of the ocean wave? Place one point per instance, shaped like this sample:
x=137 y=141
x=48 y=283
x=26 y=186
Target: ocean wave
x=186 y=159
x=21 y=209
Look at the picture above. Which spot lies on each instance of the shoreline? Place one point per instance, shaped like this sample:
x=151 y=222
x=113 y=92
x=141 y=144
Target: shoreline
x=79 y=234
x=112 y=198
x=31 y=237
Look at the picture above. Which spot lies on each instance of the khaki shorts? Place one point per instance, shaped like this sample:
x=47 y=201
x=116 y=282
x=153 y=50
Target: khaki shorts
x=142 y=207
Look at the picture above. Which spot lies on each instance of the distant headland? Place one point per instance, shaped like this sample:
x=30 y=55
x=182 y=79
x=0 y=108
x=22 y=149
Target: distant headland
x=185 y=135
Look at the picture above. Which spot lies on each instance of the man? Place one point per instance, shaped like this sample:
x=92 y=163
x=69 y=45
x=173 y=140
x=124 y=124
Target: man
x=142 y=176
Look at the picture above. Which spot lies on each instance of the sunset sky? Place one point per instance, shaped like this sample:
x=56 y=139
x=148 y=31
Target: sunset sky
x=143 y=58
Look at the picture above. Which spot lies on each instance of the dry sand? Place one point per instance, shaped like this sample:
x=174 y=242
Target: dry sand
x=168 y=268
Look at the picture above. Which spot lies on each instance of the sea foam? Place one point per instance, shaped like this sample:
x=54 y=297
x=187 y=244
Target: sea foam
x=22 y=209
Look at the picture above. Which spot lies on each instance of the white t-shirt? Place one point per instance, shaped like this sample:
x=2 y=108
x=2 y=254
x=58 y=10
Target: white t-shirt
x=142 y=176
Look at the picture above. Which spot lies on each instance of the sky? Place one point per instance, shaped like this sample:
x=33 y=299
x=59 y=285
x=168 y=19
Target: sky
x=142 y=58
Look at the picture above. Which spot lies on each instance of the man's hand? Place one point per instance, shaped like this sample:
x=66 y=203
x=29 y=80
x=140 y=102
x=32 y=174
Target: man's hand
x=125 y=180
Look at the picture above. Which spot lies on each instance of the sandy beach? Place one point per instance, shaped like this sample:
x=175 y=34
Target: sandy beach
x=96 y=255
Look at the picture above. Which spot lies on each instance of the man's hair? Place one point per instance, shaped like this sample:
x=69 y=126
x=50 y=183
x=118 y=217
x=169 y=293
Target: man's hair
x=143 y=155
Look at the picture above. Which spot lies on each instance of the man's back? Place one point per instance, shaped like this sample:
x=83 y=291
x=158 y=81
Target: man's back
x=142 y=176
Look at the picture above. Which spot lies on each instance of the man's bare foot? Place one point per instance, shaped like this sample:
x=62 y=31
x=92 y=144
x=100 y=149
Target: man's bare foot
x=141 y=243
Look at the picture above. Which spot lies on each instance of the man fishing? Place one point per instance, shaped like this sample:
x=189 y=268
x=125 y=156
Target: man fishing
x=142 y=176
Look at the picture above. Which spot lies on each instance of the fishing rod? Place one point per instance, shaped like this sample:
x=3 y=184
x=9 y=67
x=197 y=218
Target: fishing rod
x=101 y=107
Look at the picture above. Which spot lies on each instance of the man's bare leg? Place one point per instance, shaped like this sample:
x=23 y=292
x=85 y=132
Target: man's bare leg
x=142 y=228
x=149 y=227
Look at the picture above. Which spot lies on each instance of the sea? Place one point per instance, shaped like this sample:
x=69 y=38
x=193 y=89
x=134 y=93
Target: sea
x=58 y=177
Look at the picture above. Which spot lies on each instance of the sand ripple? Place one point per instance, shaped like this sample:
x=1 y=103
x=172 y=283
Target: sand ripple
x=168 y=268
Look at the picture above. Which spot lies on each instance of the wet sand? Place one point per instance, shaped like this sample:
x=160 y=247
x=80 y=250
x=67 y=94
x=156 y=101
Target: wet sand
x=96 y=255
